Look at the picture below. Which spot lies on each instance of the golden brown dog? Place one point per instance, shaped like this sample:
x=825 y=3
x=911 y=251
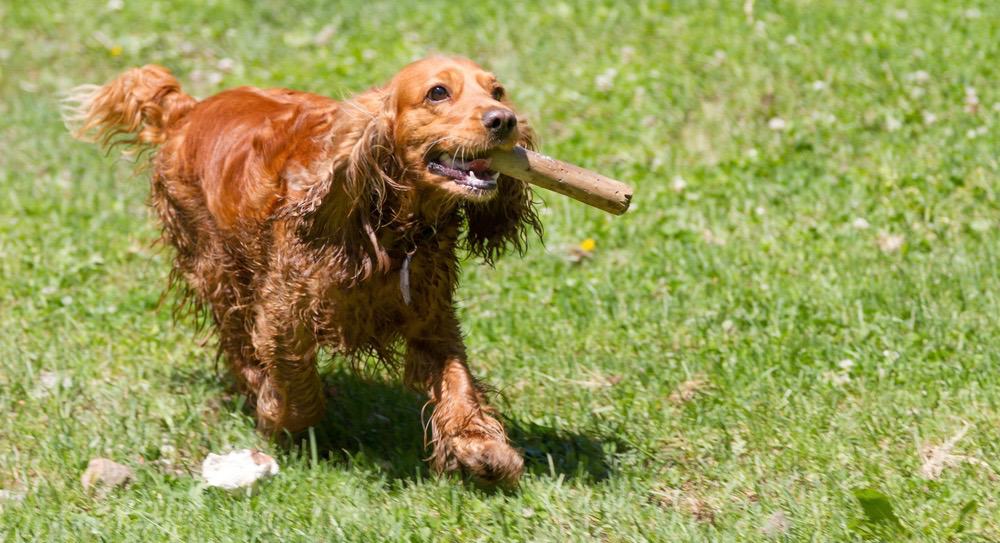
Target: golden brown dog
x=301 y=222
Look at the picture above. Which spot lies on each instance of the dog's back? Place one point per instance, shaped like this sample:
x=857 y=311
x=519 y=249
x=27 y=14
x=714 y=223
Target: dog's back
x=235 y=152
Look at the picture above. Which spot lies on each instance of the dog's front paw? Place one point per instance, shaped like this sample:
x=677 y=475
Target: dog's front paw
x=489 y=461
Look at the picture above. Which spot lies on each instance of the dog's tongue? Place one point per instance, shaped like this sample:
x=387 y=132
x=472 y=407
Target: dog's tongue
x=479 y=165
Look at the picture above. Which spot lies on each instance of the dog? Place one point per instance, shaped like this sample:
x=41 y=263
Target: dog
x=302 y=223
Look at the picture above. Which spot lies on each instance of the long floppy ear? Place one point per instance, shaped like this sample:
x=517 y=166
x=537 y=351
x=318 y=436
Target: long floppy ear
x=504 y=221
x=348 y=208
x=373 y=166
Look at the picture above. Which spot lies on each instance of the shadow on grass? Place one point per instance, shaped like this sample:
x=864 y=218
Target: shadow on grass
x=375 y=423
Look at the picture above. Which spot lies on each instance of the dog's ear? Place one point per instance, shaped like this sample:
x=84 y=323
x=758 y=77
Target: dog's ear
x=371 y=174
x=347 y=207
x=373 y=167
x=504 y=221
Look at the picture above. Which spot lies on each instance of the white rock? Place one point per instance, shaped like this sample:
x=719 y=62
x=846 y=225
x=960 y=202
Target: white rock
x=890 y=242
x=919 y=76
x=49 y=382
x=102 y=472
x=678 y=184
x=48 y=379
x=237 y=469
x=776 y=525
x=606 y=81
x=11 y=495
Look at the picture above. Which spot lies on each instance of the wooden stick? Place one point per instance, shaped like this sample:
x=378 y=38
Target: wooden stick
x=586 y=186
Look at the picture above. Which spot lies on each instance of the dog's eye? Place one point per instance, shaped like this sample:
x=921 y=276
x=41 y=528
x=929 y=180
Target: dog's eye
x=498 y=94
x=438 y=93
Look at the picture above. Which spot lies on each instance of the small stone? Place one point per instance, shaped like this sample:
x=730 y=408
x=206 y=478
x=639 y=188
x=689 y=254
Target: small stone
x=838 y=379
x=102 y=472
x=49 y=383
x=678 y=184
x=48 y=379
x=776 y=525
x=324 y=35
x=890 y=243
x=712 y=238
x=919 y=76
x=606 y=80
x=689 y=390
x=11 y=495
x=738 y=446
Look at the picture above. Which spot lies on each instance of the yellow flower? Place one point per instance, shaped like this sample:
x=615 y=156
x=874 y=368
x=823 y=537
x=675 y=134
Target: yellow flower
x=116 y=51
x=588 y=245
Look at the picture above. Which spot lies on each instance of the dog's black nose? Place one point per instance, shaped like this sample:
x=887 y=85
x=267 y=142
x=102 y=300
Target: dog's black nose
x=499 y=121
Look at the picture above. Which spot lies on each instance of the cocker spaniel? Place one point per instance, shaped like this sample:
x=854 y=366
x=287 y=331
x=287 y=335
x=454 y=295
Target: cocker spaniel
x=302 y=223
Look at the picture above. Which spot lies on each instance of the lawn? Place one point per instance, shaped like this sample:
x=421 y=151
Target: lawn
x=801 y=305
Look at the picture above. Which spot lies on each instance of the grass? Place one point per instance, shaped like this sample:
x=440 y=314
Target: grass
x=821 y=355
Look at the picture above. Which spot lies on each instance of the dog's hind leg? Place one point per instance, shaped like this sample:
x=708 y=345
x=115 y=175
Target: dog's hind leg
x=290 y=397
x=236 y=347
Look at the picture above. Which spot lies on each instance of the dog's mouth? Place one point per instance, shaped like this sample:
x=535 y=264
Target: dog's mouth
x=474 y=173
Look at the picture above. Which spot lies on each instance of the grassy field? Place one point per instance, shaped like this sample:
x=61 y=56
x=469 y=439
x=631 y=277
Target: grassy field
x=802 y=303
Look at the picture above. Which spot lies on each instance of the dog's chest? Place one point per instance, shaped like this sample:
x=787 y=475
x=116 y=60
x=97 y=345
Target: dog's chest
x=416 y=290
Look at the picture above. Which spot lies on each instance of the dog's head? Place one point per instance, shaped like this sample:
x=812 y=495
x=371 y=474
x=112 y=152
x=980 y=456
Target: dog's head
x=450 y=114
x=437 y=122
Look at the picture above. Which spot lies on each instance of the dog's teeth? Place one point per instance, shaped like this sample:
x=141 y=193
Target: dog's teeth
x=494 y=176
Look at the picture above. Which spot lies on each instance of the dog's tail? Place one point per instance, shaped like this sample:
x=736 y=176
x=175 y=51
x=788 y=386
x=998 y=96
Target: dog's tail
x=135 y=109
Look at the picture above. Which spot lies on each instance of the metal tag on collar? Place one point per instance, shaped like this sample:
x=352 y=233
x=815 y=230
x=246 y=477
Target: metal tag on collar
x=404 y=278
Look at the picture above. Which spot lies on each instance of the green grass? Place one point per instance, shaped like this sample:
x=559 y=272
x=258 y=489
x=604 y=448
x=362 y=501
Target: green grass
x=754 y=278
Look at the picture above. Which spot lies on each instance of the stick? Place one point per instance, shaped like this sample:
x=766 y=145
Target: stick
x=586 y=186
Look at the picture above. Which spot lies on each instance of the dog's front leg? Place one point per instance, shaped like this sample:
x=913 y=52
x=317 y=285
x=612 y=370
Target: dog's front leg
x=466 y=436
